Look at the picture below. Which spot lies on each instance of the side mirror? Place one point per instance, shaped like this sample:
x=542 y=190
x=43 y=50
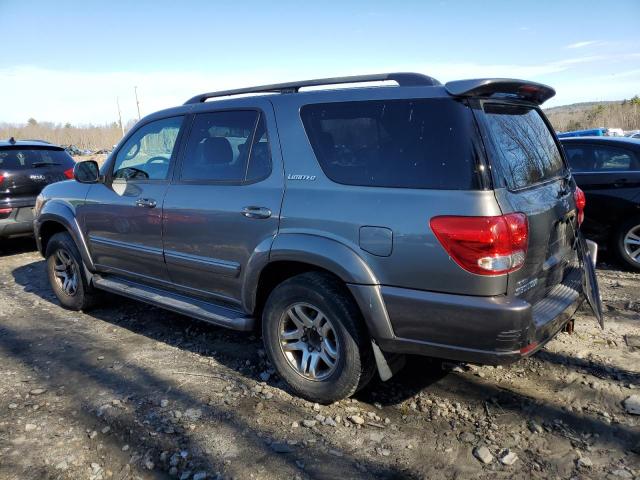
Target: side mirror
x=86 y=172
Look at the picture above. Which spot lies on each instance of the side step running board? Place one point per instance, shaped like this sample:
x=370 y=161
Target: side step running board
x=208 y=312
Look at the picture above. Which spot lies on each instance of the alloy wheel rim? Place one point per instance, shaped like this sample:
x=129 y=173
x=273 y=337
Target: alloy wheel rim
x=66 y=272
x=632 y=243
x=309 y=341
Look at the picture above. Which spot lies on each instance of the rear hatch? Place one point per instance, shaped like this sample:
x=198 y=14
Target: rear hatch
x=531 y=177
x=26 y=170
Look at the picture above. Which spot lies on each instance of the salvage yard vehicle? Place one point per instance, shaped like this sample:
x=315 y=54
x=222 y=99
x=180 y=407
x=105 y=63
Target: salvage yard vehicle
x=26 y=167
x=608 y=170
x=351 y=225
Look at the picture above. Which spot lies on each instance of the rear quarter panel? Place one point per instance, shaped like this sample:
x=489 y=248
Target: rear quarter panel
x=316 y=205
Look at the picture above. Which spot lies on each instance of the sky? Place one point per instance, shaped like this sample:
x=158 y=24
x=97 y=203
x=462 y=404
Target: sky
x=72 y=61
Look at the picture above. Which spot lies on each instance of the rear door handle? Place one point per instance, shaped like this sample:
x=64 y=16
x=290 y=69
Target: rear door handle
x=146 y=202
x=256 y=212
x=620 y=182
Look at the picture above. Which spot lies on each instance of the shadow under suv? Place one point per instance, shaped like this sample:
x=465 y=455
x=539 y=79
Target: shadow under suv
x=351 y=225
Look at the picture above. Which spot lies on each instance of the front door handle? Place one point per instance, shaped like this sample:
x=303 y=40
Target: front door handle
x=146 y=202
x=256 y=212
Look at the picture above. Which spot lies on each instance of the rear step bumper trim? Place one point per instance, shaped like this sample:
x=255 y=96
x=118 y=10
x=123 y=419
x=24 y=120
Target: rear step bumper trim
x=489 y=330
x=208 y=312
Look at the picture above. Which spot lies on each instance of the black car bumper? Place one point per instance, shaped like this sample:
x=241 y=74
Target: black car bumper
x=487 y=330
x=18 y=223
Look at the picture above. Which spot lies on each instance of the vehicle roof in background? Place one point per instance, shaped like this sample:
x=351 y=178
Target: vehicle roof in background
x=28 y=143
x=620 y=141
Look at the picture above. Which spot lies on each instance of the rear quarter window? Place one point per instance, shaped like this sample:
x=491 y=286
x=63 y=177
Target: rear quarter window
x=423 y=143
x=525 y=151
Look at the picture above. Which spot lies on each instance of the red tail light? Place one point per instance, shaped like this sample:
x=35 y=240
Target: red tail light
x=484 y=245
x=581 y=202
x=5 y=212
x=69 y=173
x=1 y=179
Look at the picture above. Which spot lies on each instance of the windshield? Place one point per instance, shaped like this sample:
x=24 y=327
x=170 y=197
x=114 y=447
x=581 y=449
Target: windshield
x=19 y=158
x=526 y=151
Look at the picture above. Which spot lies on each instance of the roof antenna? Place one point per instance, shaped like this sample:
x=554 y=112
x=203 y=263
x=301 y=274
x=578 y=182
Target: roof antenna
x=12 y=141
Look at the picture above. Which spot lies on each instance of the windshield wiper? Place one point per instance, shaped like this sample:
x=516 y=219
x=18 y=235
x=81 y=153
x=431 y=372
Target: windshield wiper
x=43 y=164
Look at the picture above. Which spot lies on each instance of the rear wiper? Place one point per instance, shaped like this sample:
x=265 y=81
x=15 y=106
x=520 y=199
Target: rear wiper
x=43 y=164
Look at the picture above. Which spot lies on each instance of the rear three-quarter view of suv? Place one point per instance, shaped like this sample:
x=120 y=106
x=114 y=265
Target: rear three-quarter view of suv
x=350 y=225
x=26 y=167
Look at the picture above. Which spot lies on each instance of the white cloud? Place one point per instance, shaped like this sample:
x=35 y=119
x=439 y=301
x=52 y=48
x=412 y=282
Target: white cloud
x=90 y=97
x=587 y=43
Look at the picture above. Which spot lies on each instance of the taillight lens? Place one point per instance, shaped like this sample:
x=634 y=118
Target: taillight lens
x=1 y=179
x=581 y=202
x=69 y=173
x=5 y=212
x=484 y=245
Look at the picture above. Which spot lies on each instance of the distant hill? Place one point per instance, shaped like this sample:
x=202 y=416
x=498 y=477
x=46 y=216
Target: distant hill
x=623 y=114
x=576 y=107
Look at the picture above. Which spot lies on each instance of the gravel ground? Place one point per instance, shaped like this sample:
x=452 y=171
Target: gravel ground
x=129 y=391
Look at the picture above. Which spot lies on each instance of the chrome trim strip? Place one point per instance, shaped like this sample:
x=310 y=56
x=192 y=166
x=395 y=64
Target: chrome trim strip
x=107 y=242
x=207 y=264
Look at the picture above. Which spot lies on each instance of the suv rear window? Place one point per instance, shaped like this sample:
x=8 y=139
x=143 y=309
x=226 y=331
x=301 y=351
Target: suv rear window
x=21 y=157
x=525 y=148
x=424 y=143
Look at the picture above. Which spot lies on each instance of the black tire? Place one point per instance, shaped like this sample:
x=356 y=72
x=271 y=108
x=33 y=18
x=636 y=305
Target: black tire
x=82 y=297
x=355 y=364
x=630 y=226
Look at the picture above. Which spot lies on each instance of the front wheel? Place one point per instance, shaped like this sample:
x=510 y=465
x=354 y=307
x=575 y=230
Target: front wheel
x=627 y=243
x=315 y=337
x=66 y=275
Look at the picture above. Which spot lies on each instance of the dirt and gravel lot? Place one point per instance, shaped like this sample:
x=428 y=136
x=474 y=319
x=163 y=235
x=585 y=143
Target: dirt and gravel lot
x=129 y=391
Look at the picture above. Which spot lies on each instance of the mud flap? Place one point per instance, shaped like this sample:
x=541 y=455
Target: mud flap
x=387 y=366
x=587 y=252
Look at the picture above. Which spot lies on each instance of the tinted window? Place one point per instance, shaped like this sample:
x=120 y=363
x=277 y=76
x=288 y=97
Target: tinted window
x=17 y=158
x=426 y=143
x=599 y=158
x=526 y=150
x=220 y=144
x=147 y=153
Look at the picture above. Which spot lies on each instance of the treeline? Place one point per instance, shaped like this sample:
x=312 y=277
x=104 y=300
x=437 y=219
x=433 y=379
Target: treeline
x=86 y=137
x=625 y=115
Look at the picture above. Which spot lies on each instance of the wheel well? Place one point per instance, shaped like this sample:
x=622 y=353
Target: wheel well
x=47 y=230
x=277 y=272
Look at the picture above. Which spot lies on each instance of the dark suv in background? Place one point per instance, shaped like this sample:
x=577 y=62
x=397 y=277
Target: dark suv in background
x=351 y=225
x=26 y=167
x=608 y=170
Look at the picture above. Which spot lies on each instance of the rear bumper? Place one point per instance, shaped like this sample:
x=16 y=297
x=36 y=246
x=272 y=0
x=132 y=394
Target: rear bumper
x=19 y=222
x=488 y=330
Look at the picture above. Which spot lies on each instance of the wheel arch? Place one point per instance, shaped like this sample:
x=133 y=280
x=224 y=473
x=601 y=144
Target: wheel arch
x=57 y=217
x=293 y=254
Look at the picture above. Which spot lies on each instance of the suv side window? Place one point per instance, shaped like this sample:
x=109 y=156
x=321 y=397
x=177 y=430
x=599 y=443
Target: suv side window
x=229 y=146
x=147 y=153
x=422 y=143
x=600 y=158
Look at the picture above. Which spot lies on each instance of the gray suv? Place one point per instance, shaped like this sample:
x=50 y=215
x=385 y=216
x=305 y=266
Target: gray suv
x=350 y=225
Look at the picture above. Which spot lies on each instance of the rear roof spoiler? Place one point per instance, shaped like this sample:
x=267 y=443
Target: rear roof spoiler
x=486 y=87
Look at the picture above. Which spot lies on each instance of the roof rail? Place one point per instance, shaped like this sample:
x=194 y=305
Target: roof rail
x=403 y=80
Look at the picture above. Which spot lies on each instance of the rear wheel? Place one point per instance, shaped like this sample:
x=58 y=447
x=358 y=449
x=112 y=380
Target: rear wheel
x=627 y=243
x=66 y=274
x=315 y=337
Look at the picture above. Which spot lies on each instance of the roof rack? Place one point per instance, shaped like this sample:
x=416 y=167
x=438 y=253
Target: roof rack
x=401 y=78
